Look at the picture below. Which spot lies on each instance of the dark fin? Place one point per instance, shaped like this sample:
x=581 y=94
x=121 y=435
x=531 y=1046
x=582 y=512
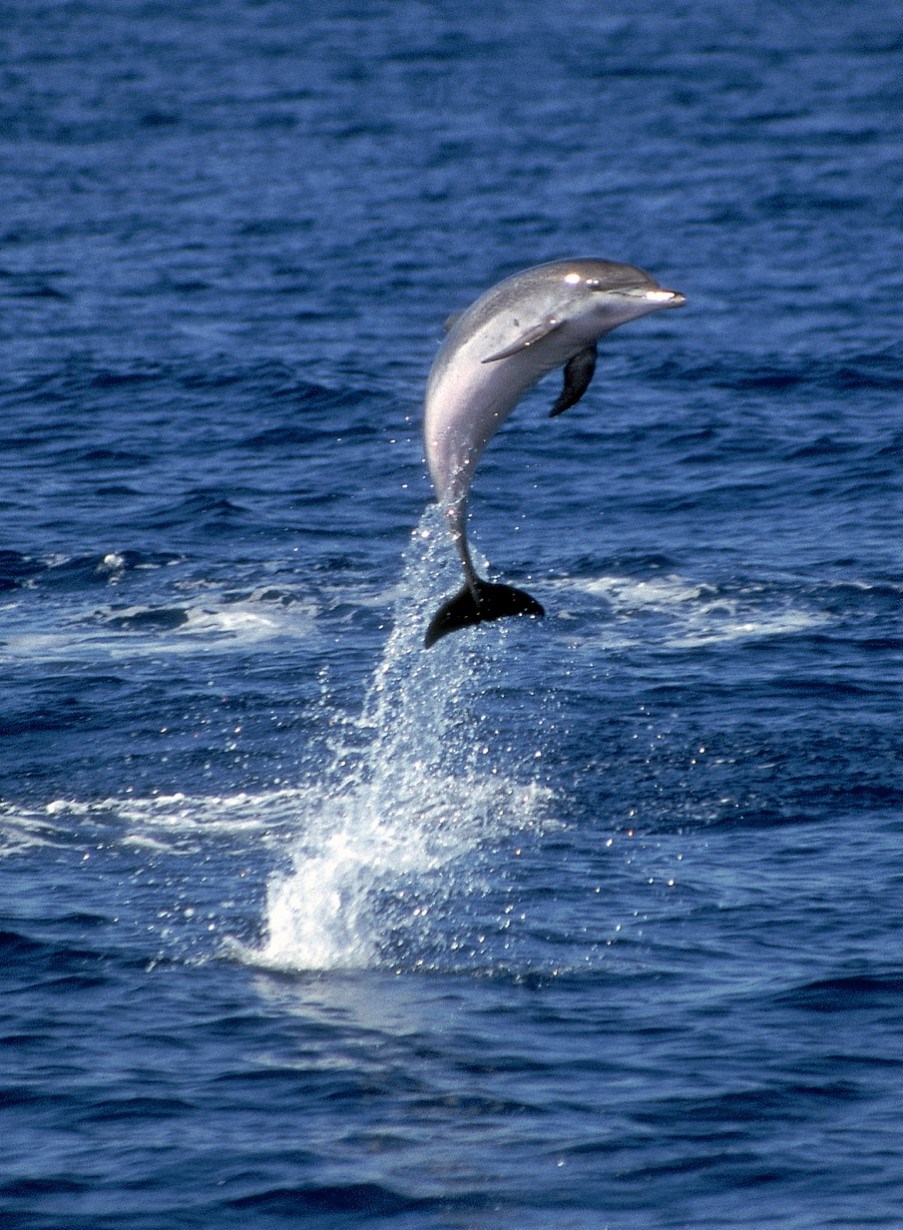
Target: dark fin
x=530 y=338
x=452 y=321
x=578 y=372
x=492 y=602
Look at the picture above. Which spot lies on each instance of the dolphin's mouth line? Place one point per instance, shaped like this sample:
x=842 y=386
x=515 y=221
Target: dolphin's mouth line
x=667 y=298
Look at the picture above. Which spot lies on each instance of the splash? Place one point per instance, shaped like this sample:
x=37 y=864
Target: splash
x=409 y=793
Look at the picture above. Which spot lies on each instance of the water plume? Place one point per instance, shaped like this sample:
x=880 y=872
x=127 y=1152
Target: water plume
x=409 y=794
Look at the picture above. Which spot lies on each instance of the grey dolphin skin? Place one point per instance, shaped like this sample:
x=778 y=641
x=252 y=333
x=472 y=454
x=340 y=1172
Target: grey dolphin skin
x=548 y=316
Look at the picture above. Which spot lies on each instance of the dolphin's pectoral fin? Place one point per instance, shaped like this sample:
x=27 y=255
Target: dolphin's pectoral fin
x=578 y=372
x=530 y=338
x=491 y=602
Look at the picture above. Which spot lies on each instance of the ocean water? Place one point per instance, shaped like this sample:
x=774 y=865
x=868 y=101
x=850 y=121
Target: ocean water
x=589 y=922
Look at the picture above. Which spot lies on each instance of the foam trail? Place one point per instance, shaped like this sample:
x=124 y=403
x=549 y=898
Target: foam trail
x=404 y=796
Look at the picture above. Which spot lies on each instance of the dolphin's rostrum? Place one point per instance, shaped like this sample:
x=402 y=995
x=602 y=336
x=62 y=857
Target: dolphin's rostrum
x=512 y=336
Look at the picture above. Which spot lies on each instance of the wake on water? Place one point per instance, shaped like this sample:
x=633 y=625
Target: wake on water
x=379 y=849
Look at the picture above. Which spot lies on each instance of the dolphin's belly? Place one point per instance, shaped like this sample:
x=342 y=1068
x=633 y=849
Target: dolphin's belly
x=467 y=401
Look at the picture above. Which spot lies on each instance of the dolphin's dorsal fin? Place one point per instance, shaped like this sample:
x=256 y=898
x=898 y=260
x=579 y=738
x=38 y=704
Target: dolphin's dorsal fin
x=451 y=321
x=530 y=338
x=578 y=372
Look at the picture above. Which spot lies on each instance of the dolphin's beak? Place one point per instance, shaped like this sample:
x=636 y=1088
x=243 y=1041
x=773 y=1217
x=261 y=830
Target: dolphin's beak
x=667 y=298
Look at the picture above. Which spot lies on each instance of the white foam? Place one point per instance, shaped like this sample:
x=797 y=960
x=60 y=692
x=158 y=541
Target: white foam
x=171 y=823
x=105 y=632
x=689 y=614
x=23 y=829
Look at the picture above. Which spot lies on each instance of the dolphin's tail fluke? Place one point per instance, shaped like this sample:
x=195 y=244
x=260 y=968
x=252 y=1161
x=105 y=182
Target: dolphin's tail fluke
x=489 y=602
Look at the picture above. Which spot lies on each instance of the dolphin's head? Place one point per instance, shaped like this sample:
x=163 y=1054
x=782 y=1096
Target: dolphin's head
x=605 y=294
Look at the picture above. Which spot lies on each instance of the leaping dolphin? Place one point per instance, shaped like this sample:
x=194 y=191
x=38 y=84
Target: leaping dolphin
x=512 y=336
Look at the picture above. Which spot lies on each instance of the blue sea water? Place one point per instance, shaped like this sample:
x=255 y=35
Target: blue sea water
x=588 y=922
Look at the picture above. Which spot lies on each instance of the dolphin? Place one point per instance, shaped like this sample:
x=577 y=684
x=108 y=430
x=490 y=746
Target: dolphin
x=517 y=332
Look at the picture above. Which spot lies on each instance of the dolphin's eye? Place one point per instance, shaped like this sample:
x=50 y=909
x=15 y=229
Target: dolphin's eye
x=593 y=283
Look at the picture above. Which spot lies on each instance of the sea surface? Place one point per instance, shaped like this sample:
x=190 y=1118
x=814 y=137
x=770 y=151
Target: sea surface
x=589 y=923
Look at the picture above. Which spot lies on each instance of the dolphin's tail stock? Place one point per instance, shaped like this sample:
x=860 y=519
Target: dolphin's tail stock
x=478 y=604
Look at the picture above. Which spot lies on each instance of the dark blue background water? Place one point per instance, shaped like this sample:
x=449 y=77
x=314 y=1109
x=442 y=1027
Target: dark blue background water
x=581 y=924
